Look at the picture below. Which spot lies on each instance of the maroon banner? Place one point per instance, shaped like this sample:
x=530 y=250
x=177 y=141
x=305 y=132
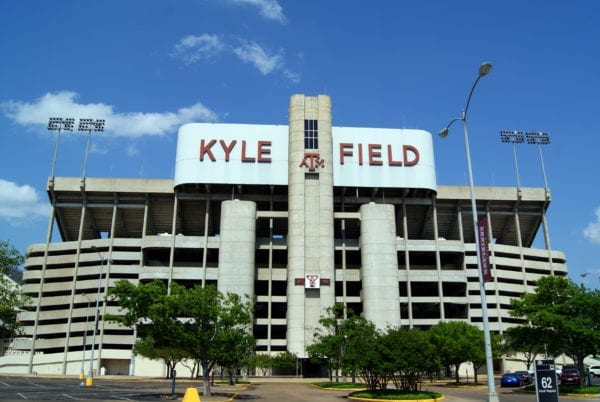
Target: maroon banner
x=484 y=251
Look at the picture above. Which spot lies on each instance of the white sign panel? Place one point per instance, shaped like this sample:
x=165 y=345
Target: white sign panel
x=232 y=154
x=258 y=154
x=381 y=157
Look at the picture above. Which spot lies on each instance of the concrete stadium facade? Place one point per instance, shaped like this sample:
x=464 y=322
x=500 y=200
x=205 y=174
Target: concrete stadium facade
x=300 y=217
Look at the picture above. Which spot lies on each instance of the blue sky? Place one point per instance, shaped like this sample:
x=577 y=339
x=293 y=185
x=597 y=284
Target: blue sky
x=149 y=66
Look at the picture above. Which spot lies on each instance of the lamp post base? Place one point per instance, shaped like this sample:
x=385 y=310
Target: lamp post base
x=492 y=397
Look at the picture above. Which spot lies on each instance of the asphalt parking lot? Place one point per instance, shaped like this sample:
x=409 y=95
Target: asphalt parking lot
x=71 y=389
x=31 y=388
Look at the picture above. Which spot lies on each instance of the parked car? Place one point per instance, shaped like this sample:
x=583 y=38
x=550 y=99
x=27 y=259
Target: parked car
x=525 y=376
x=511 y=380
x=570 y=376
x=594 y=371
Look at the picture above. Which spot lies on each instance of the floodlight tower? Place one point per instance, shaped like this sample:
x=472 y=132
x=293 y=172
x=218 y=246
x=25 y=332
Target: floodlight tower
x=90 y=379
x=89 y=125
x=59 y=124
x=514 y=137
x=87 y=316
x=540 y=139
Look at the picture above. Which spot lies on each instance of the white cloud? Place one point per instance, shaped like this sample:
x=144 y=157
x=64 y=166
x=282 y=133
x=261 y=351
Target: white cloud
x=135 y=124
x=20 y=203
x=292 y=76
x=592 y=231
x=253 y=53
x=270 y=9
x=192 y=49
x=133 y=150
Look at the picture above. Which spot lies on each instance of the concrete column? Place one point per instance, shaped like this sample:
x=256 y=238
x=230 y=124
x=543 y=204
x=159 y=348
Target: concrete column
x=310 y=220
x=237 y=247
x=379 y=271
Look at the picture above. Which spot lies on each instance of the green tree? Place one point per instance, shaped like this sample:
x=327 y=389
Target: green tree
x=204 y=313
x=262 y=362
x=234 y=348
x=568 y=314
x=479 y=358
x=329 y=340
x=408 y=355
x=527 y=340
x=11 y=297
x=456 y=342
x=150 y=308
x=362 y=355
x=286 y=362
x=11 y=260
x=195 y=323
x=152 y=348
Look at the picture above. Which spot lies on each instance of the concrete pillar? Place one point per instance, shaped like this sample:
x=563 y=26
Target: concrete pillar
x=310 y=219
x=379 y=270
x=237 y=247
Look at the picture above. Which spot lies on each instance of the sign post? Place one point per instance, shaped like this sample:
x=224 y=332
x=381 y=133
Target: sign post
x=546 y=386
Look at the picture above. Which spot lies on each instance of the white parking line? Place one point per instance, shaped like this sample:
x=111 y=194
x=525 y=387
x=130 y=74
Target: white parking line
x=5 y=384
x=122 y=397
x=22 y=396
x=71 y=397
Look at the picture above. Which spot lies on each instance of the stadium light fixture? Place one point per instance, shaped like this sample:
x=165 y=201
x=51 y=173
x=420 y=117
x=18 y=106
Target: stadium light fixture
x=59 y=124
x=491 y=396
x=539 y=139
x=89 y=125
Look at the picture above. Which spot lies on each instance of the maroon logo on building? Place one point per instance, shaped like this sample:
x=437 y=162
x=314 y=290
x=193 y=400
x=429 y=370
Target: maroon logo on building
x=312 y=161
x=312 y=281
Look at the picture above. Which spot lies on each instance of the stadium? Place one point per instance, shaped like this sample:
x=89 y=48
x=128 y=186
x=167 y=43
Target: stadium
x=300 y=217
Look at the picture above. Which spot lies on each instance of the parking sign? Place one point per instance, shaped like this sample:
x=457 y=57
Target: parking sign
x=546 y=386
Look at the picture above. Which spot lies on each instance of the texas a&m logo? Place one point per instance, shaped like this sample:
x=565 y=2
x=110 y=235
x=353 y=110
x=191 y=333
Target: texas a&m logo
x=312 y=281
x=312 y=161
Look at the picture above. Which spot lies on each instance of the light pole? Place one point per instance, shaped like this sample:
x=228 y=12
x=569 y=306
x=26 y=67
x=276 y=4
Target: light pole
x=87 y=316
x=89 y=125
x=540 y=139
x=514 y=137
x=59 y=124
x=492 y=396
x=90 y=381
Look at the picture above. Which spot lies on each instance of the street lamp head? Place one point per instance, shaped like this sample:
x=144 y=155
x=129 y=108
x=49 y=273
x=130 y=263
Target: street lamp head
x=443 y=133
x=485 y=68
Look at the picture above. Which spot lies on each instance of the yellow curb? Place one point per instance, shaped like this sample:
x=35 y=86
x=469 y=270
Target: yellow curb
x=231 y=398
x=462 y=386
x=337 y=389
x=353 y=398
x=582 y=395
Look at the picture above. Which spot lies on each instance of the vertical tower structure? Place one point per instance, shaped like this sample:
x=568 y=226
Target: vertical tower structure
x=379 y=272
x=236 y=247
x=310 y=218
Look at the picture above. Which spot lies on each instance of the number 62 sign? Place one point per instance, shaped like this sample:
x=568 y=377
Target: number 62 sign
x=546 y=387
